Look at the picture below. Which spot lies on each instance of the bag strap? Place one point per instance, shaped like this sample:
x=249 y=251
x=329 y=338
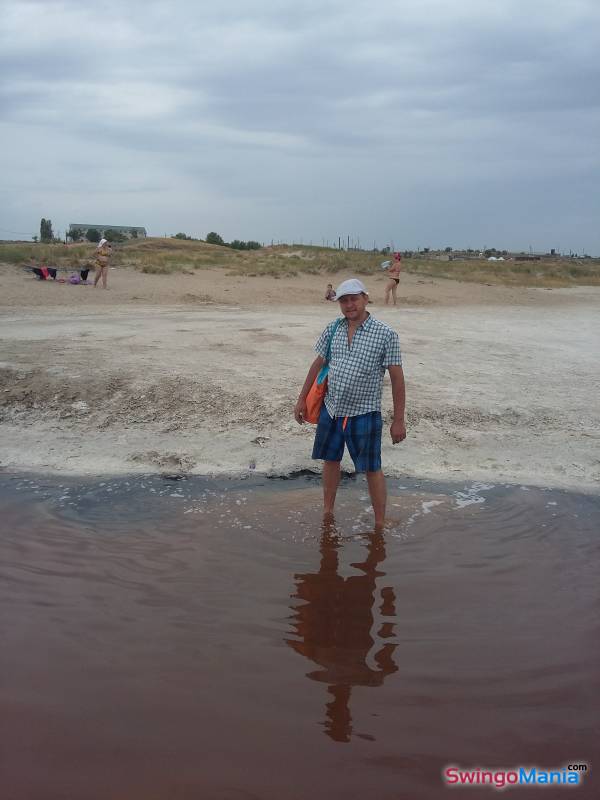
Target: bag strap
x=331 y=335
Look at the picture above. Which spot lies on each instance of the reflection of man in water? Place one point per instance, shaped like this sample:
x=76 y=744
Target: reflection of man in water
x=334 y=628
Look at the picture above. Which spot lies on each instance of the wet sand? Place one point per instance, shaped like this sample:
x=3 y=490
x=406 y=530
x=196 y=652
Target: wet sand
x=209 y=639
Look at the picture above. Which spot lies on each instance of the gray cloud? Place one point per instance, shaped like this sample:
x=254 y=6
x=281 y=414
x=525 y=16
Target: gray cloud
x=426 y=122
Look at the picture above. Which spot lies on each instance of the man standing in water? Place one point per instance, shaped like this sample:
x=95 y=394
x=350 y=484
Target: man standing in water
x=362 y=348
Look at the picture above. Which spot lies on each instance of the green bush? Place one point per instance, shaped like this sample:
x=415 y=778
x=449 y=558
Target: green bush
x=214 y=238
x=238 y=244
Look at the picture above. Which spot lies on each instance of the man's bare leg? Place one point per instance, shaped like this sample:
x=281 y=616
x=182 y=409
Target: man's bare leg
x=104 y=276
x=331 y=481
x=394 y=290
x=378 y=495
x=97 y=276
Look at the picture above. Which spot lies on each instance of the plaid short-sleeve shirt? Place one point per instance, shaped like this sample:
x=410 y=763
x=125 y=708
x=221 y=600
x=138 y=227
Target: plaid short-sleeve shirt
x=356 y=371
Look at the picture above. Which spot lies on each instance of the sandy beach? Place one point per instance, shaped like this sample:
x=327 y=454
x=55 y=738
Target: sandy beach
x=199 y=373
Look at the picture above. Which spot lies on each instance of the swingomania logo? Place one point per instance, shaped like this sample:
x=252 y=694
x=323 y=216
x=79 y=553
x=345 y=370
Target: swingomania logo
x=569 y=775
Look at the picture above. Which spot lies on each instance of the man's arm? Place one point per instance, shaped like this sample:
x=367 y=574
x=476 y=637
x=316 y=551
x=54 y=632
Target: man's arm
x=300 y=408
x=398 y=426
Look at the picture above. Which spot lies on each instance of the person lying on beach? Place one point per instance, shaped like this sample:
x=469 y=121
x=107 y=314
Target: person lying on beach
x=43 y=272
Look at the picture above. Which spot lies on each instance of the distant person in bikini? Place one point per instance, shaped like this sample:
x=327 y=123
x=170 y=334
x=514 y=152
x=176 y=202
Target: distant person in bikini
x=330 y=292
x=394 y=278
x=103 y=253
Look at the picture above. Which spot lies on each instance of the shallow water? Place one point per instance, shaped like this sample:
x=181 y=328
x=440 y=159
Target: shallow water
x=200 y=639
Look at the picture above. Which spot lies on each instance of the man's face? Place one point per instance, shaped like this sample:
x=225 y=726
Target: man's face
x=353 y=306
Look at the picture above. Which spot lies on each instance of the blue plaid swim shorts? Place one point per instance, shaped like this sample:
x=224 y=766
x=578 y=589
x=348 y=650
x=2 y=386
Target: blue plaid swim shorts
x=361 y=435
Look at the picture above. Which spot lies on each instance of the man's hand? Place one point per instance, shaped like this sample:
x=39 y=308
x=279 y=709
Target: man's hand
x=300 y=411
x=398 y=431
x=397 y=428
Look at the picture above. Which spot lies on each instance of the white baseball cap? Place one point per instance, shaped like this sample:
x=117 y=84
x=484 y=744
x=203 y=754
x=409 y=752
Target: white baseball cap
x=351 y=286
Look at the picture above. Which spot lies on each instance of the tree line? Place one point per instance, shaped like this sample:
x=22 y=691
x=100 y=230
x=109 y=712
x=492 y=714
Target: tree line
x=94 y=235
x=214 y=238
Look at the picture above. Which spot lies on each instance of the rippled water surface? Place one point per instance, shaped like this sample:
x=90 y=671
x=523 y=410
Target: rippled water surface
x=192 y=639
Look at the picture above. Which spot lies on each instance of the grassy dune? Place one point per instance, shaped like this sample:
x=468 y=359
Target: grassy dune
x=547 y=273
x=165 y=256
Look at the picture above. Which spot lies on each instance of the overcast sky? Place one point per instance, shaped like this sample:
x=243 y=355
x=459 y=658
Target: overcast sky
x=468 y=123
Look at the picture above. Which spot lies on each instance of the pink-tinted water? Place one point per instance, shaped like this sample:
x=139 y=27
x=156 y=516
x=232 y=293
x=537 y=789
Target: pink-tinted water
x=193 y=640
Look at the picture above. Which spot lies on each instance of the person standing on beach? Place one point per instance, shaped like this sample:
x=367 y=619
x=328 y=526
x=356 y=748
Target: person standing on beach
x=394 y=278
x=103 y=253
x=362 y=348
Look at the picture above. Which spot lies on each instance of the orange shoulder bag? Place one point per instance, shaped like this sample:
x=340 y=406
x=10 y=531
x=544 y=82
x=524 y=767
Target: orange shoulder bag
x=316 y=395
